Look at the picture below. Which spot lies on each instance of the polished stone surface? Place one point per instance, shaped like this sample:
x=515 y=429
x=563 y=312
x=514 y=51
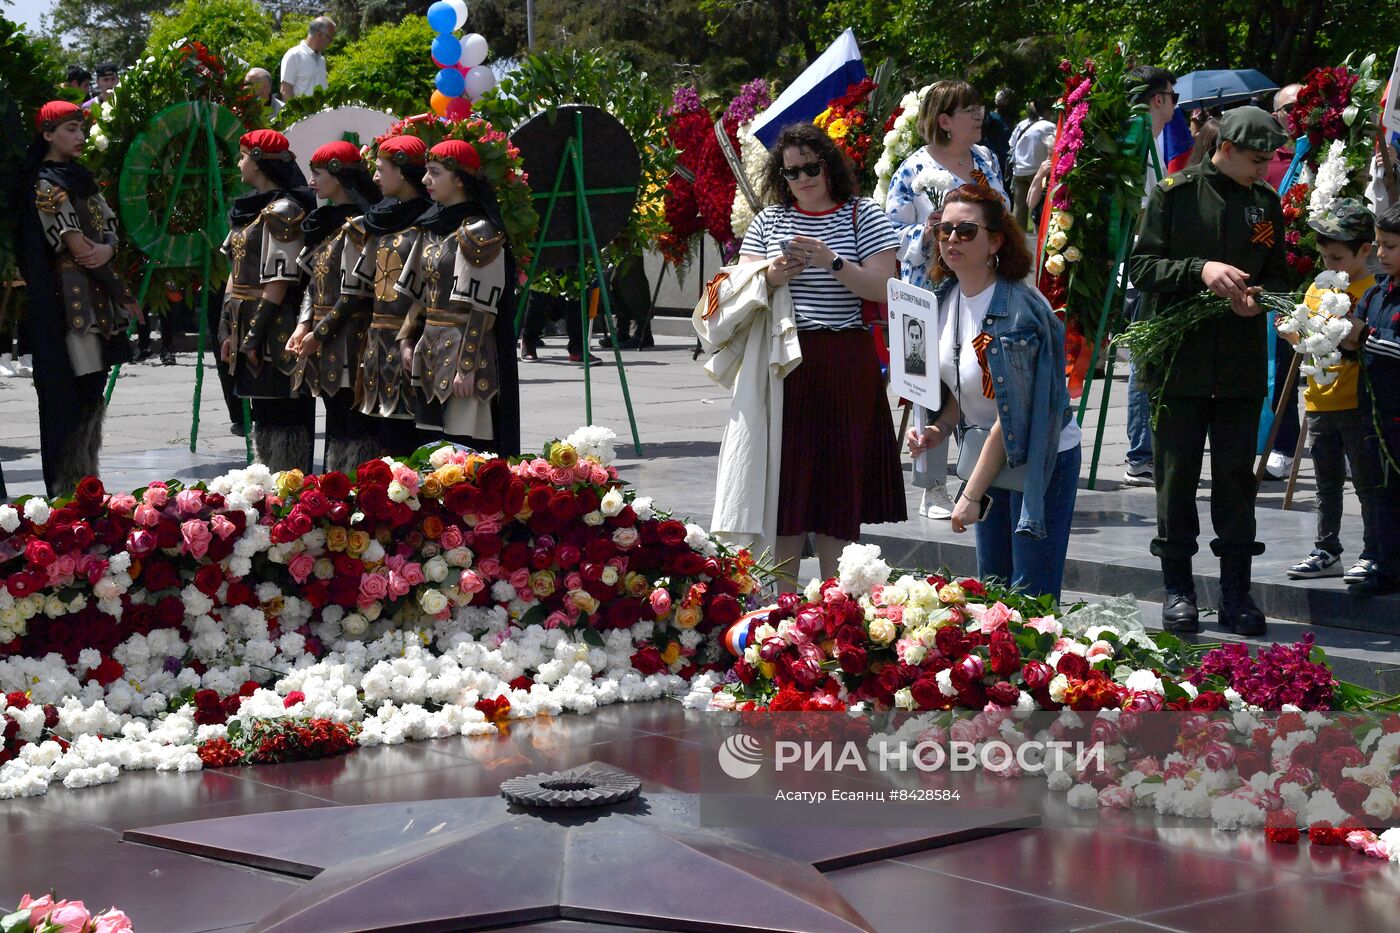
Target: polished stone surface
x=1109 y=870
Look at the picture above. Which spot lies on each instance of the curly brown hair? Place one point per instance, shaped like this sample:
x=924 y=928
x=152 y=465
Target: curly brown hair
x=1013 y=258
x=840 y=176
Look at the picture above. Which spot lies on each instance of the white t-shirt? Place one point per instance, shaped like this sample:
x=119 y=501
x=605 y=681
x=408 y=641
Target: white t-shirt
x=961 y=318
x=1032 y=148
x=304 y=69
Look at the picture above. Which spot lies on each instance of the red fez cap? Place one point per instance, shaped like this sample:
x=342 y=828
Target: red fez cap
x=404 y=150
x=266 y=144
x=55 y=112
x=335 y=156
x=456 y=154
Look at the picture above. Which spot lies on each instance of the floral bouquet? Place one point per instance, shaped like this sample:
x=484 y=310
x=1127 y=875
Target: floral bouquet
x=934 y=183
x=1336 y=104
x=1299 y=241
x=687 y=128
x=847 y=121
x=901 y=138
x=1317 y=335
x=46 y=915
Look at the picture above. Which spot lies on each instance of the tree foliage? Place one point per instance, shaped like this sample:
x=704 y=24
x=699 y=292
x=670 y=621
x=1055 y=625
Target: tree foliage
x=96 y=31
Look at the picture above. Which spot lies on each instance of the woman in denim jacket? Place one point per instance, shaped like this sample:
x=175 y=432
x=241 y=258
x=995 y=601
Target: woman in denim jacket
x=1011 y=380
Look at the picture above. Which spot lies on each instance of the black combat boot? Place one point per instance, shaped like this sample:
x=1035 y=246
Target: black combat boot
x=1179 y=613
x=1238 y=613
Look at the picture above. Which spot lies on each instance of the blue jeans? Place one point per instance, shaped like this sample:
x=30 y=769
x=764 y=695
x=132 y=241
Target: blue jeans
x=1289 y=427
x=1033 y=567
x=1139 y=408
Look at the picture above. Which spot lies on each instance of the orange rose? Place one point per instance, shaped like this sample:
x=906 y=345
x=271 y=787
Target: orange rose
x=432 y=526
x=432 y=487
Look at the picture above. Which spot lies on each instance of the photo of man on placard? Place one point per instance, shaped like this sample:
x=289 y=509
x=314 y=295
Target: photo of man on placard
x=915 y=359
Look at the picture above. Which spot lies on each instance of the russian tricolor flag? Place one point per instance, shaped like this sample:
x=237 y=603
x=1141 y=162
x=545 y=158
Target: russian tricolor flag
x=1176 y=143
x=826 y=78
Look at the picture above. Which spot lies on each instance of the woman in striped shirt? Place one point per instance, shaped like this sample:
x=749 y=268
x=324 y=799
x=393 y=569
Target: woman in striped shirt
x=840 y=460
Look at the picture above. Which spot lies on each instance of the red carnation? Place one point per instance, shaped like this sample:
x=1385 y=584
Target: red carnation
x=648 y=661
x=106 y=672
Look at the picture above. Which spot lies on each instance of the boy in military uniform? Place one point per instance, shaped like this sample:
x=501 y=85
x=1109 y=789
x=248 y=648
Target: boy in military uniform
x=1214 y=226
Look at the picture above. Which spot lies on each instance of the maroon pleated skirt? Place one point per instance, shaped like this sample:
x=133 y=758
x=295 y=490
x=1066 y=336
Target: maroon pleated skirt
x=841 y=464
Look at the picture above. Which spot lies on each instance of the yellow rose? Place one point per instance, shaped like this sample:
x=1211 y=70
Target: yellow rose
x=672 y=654
x=289 y=481
x=636 y=585
x=584 y=601
x=450 y=474
x=766 y=669
x=358 y=543
x=337 y=537
x=563 y=456
x=431 y=487
x=952 y=595
x=688 y=617
x=542 y=582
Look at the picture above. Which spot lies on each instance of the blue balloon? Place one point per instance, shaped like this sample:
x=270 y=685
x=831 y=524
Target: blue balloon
x=447 y=49
x=451 y=82
x=442 y=17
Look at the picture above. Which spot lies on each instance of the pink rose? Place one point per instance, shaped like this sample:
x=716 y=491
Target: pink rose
x=1047 y=625
x=300 y=566
x=373 y=587
x=539 y=469
x=406 y=476
x=38 y=909
x=223 y=527
x=556 y=619
x=573 y=581
x=156 y=495
x=197 y=537
x=189 y=501
x=140 y=542
x=451 y=538
x=660 y=601
x=489 y=568
x=626 y=538
x=471 y=582
x=963 y=730
x=560 y=476
x=146 y=515
x=520 y=579
x=488 y=526
x=68 y=917
x=112 y=921
x=398 y=586
x=601 y=474
x=1116 y=797
x=122 y=503
x=995 y=617
x=67 y=565
x=412 y=573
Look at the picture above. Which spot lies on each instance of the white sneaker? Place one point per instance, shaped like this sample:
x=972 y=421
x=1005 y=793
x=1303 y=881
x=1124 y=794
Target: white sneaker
x=24 y=366
x=1278 y=465
x=7 y=367
x=936 y=504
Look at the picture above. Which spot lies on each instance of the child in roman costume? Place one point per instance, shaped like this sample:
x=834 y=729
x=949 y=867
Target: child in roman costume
x=78 y=305
x=329 y=338
x=459 y=331
x=263 y=297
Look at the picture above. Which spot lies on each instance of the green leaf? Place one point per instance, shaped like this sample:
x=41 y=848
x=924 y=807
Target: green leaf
x=593 y=637
x=15 y=922
x=1349 y=114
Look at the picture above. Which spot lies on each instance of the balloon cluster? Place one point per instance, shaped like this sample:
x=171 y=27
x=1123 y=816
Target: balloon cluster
x=462 y=77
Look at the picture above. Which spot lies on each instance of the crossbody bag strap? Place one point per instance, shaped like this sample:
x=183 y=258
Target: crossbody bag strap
x=957 y=360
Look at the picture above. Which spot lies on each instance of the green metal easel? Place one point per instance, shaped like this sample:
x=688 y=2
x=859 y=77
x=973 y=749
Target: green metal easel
x=570 y=184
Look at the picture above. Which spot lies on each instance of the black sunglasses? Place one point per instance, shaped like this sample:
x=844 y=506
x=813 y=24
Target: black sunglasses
x=1176 y=98
x=967 y=230
x=813 y=169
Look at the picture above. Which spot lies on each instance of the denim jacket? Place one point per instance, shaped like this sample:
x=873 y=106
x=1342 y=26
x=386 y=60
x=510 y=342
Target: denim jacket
x=1027 y=363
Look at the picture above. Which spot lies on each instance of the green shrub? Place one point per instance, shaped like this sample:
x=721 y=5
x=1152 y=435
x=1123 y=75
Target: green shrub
x=229 y=28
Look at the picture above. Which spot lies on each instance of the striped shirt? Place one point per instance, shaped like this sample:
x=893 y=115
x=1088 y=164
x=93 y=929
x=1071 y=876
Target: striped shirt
x=855 y=231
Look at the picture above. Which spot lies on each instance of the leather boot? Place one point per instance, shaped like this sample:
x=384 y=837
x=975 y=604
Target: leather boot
x=1238 y=613
x=1179 y=613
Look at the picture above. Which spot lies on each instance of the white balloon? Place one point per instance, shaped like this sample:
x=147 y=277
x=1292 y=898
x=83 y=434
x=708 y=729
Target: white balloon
x=473 y=50
x=460 y=8
x=479 y=81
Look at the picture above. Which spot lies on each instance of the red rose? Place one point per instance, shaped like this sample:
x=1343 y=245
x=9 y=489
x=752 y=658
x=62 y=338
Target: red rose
x=1073 y=665
x=949 y=640
x=671 y=532
x=240 y=594
x=160 y=575
x=515 y=556
x=89 y=491
x=562 y=505
x=169 y=612
x=569 y=556
x=624 y=613
x=1208 y=701
x=374 y=500
x=724 y=611
x=17 y=699
x=460 y=499
x=973 y=587
x=1003 y=694
x=648 y=661
x=315 y=503
x=1037 y=675
x=538 y=498
x=1005 y=656
x=208 y=578
x=1249 y=763
x=588 y=500
x=299 y=522
x=687 y=564
x=335 y=485
x=851 y=658
x=493 y=475
x=106 y=672
x=374 y=472
x=1351 y=794
x=39 y=554
x=489 y=502
x=1304 y=755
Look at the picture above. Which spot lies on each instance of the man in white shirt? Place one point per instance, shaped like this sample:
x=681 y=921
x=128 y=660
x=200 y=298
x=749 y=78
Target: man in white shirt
x=304 y=65
x=1031 y=143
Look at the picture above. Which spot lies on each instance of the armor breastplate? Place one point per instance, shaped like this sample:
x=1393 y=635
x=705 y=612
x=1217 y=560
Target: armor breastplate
x=390 y=251
x=245 y=255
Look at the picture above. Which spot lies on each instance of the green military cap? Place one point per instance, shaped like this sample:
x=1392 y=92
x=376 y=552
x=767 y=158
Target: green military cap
x=1347 y=220
x=1252 y=128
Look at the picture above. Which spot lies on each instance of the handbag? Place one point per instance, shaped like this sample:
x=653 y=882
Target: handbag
x=972 y=438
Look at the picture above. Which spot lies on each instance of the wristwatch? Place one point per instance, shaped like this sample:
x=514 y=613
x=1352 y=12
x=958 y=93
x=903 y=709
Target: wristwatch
x=837 y=263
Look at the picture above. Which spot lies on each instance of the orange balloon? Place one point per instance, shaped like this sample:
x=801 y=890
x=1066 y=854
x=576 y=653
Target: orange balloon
x=439 y=103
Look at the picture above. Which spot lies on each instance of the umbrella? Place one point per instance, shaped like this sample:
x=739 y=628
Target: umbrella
x=1221 y=88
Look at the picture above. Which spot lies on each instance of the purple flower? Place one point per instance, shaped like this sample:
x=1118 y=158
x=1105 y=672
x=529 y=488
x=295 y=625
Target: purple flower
x=752 y=98
x=686 y=99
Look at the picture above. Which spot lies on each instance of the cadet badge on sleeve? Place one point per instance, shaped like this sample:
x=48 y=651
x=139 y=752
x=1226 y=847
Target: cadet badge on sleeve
x=1261 y=230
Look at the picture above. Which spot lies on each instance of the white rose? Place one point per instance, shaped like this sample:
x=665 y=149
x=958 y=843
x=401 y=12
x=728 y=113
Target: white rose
x=1380 y=803
x=398 y=492
x=432 y=601
x=904 y=698
x=612 y=503
x=435 y=569
x=1055 y=265
x=1058 y=686
x=1062 y=219
x=354 y=625
x=882 y=631
x=98 y=140
x=593 y=519
x=610 y=576
x=1057 y=240
x=1073 y=254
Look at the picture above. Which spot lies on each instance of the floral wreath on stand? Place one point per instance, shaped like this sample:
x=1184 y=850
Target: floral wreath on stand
x=688 y=124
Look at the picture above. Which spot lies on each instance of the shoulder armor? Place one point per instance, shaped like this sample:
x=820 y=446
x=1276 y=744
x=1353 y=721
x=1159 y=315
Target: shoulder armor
x=480 y=241
x=355 y=230
x=49 y=197
x=283 y=218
